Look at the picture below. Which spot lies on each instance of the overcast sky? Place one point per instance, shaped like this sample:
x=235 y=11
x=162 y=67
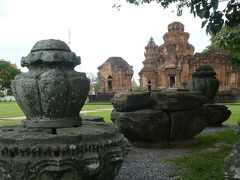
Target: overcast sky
x=98 y=31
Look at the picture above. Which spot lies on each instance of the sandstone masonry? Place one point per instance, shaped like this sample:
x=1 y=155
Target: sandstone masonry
x=171 y=64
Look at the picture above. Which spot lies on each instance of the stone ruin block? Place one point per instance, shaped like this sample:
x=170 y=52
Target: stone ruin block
x=124 y=101
x=186 y=124
x=231 y=168
x=176 y=101
x=145 y=125
x=159 y=116
x=215 y=114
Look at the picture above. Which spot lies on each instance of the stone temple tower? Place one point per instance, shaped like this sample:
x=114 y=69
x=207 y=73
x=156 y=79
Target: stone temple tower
x=148 y=74
x=167 y=65
x=170 y=65
x=176 y=41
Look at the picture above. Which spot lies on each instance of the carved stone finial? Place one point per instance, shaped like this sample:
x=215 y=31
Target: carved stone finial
x=205 y=81
x=48 y=52
x=204 y=71
x=51 y=94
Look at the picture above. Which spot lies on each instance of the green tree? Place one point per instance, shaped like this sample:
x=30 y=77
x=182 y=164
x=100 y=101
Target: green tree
x=135 y=86
x=7 y=74
x=207 y=10
x=93 y=80
x=229 y=39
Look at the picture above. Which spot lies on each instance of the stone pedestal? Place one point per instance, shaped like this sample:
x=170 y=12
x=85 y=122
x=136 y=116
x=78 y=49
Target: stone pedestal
x=54 y=143
x=91 y=151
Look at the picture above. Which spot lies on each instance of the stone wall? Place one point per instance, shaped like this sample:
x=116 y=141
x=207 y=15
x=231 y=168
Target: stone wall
x=227 y=97
x=100 y=97
x=218 y=59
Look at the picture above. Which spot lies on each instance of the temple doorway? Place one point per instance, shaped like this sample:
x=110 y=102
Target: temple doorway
x=109 y=83
x=172 y=81
x=149 y=85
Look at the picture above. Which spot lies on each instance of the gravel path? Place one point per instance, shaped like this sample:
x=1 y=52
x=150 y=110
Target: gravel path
x=152 y=164
x=148 y=164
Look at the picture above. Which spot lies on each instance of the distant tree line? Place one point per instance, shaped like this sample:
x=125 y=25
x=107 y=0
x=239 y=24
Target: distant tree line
x=135 y=86
x=229 y=39
x=7 y=73
x=94 y=81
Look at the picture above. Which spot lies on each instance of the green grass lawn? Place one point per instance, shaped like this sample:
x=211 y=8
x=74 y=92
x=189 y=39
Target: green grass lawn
x=96 y=106
x=9 y=122
x=206 y=158
x=11 y=109
x=235 y=109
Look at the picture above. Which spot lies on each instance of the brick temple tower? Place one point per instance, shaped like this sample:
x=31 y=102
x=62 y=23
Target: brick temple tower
x=148 y=74
x=166 y=66
x=115 y=74
x=171 y=64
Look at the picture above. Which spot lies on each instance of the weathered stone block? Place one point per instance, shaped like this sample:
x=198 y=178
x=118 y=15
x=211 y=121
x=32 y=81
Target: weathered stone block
x=215 y=114
x=172 y=101
x=170 y=116
x=205 y=82
x=186 y=124
x=142 y=125
x=91 y=151
x=231 y=169
x=155 y=125
x=131 y=101
x=92 y=118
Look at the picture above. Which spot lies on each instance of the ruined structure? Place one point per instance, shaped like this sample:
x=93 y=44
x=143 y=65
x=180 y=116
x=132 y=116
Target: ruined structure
x=171 y=64
x=218 y=59
x=115 y=74
x=164 y=116
x=55 y=142
x=167 y=66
